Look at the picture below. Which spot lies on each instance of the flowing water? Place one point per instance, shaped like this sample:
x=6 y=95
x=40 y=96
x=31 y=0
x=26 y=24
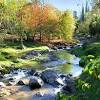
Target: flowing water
x=65 y=63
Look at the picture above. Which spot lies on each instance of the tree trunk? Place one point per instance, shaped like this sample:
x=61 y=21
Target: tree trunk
x=49 y=37
x=34 y=37
x=40 y=37
x=22 y=45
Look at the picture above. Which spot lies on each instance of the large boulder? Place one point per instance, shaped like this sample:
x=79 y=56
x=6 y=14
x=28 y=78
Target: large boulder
x=51 y=77
x=20 y=82
x=52 y=56
x=70 y=85
x=35 y=82
x=54 y=48
x=31 y=72
x=37 y=73
x=24 y=81
x=15 y=75
x=31 y=54
x=44 y=52
x=64 y=76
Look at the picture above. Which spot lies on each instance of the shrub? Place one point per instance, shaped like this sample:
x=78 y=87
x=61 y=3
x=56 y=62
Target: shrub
x=94 y=26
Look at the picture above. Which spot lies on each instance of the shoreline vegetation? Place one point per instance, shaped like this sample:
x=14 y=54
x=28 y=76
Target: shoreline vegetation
x=88 y=83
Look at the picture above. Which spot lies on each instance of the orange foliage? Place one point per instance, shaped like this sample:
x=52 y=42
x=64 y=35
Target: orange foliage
x=32 y=15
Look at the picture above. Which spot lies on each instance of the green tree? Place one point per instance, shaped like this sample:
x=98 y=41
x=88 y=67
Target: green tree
x=87 y=6
x=9 y=19
x=82 y=14
x=94 y=26
x=67 y=25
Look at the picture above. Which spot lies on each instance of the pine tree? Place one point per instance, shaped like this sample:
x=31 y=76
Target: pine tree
x=82 y=14
x=86 y=7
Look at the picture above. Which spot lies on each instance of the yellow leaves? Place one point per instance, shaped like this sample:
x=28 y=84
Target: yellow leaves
x=33 y=15
x=67 y=25
x=1 y=1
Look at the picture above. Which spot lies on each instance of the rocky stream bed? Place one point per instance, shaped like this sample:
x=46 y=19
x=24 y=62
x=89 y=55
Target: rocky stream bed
x=35 y=84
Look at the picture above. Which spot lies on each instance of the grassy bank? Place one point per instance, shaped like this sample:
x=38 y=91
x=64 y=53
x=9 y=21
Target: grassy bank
x=88 y=85
x=10 y=56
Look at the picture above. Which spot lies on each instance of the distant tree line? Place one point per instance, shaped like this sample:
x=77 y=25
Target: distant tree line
x=89 y=23
x=35 y=19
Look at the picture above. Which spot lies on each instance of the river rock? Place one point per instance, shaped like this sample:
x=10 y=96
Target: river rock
x=21 y=82
x=70 y=85
x=62 y=76
x=54 y=48
x=59 y=82
x=24 y=81
x=52 y=56
x=1 y=76
x=15 y=75
x=51 y=77
x=45 y=61
x=2 y=84
x=35 y=82
x=44 y=52
x=60 y=47
x=37 y=73
x=68 y=48
x=31 y=54
x=69 y=88
x=31 y=72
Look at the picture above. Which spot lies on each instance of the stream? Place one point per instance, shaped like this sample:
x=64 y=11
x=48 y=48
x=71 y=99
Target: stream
x=50 y=76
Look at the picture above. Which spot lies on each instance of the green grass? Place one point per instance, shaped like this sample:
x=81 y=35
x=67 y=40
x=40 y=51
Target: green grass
x=17 y=44
x=88 y=49
x=10 y=56
x=78 y=52
x=93 y=49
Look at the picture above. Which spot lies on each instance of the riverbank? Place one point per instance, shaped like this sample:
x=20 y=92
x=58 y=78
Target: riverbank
x=11 y=54
x=88 y=84
x=59 y=68
x=61 y=64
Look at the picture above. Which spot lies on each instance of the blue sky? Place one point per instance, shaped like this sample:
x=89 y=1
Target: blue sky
x=74 y=5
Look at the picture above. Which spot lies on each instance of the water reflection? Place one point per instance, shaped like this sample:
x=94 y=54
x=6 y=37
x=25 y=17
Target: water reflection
x=67 y=63
x=72 y=65
x=75 y=70
x=66 y=68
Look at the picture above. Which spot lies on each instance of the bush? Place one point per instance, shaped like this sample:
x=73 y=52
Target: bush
x=93 y=49
x=84 y=28
x=86 y=59
x=94 y=26
x=88 y=84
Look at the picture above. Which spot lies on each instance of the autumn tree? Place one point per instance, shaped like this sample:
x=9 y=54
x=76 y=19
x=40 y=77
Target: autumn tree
x=40 y=21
